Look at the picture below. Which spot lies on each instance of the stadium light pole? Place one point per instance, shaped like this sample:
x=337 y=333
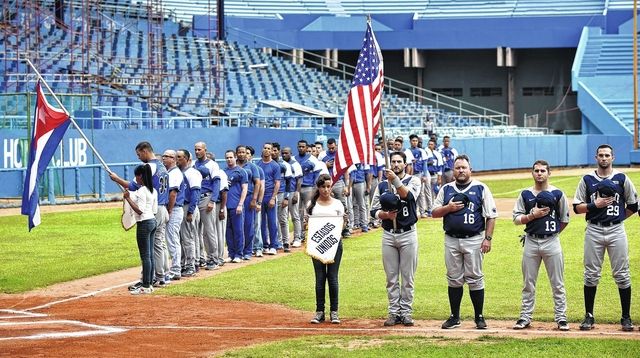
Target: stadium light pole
x=635 y=74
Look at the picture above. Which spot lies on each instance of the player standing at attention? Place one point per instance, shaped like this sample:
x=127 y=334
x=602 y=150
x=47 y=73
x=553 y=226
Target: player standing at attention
x=607 y=197
x=448 y=155
x=543 y=209
x=395 y=205
x=469 y=218
x=238 y=181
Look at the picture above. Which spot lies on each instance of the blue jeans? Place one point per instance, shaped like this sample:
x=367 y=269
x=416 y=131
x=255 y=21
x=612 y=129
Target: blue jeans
x=145 y=233
x=327 y=273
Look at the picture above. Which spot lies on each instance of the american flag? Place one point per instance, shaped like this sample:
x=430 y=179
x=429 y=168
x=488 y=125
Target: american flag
x=362 y=113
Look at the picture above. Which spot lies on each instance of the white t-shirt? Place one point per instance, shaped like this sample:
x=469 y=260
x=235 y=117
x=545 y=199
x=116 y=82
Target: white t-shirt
x=146 y=201
x=335 y=208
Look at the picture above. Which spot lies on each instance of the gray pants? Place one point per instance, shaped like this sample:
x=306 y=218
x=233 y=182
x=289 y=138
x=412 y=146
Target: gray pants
x=338 y=193
x=188 y=238
x=360 y=217
x=173 y=239
x=424 y=198
x=463 y=259
x=160 y=259
x=257 y=229
x=400 y=259
x=306 y=194
x=221 y=231
x=612 y=239
x=283 y=221
x=207 y=229
x=535 y=252
x=374 y=185
x=295 y=218
x=432 y=193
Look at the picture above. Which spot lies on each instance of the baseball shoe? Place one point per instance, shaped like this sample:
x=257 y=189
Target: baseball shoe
x=286 y=248
x=452 y=322
x=211 y=266
x=626 y=323
x=364 y=228
x=189 y=273
x=236 y=260
x=334 y=317
x=142 y=290
x=523 y=323
x=424 y=216
x=160 y=284
x=202 y=263
x=392 y=320
x=296 y=243
x=259 y=253
x=318 y=318
x=563 y=325
x=135 y=286
x=174 y=277
x=480 y=323
x=588 y=323
x=346 y=233
x=407 y=320
x=246 y=257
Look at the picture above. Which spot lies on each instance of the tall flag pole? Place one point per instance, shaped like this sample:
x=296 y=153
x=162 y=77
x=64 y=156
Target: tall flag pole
x=49 y=127
x=363 y=112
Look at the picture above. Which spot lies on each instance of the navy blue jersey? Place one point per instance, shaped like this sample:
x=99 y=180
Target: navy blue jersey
x=407 y=213
x=625 y=194
x=470 y=220
x=160 y=181
x=548 y=224
x=448 y=156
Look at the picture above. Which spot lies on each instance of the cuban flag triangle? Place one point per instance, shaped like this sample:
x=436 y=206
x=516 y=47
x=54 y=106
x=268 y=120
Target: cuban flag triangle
x=49 y=127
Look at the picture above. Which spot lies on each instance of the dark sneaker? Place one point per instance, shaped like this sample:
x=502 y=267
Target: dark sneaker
x=211 y=265
x=626 y=323
x=318 y=318
x=588 y=323
x=202 y=263
x=160 y=284
x=407 y=320
x=174 y=277
x=452 y=322
x=480 y=323
x=522 y=324
x=346 y=233
x=286 y=248
x=135 y=286
x=189 y=273
x=392 y=320
x=334 y=317
x=563 y=325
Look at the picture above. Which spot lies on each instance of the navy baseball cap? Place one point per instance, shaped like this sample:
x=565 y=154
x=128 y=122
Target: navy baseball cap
x=606 y=188
x=461 y=197
x=545 y=199
x=389 y=201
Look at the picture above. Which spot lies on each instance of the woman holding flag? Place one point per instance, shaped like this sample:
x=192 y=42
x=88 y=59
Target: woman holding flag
x=325 y=219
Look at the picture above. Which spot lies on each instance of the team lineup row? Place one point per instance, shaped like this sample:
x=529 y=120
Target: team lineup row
x=247 y=206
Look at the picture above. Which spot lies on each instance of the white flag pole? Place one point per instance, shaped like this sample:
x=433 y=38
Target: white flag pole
x=95 y=151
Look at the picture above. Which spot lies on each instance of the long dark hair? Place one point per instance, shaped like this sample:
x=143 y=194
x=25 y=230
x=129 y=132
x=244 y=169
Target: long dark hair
x=323 y=178
x=144 y=170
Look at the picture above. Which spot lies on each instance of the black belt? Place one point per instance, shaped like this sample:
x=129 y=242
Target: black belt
x=605 y=224
x=462 y=236
x=306 y=186
x=432 y=173
x=536 y=236
x=400 y=230
x=204 y=195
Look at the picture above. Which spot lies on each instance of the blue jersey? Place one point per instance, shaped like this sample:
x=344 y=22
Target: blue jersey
x=176 y=179
x=208 y=169
x=236 y=176
x=329 y=157
x=310 y=171
x=448 y=156
x=548 y=224
x=271 y=175
x=191 y=184
x=160 y=179
x=252 y=173
x=419 y=156
x=625 y=195
x=295 y=175
x=359 y=174
x=407 y=213
x=284 y=169
x=470 y=220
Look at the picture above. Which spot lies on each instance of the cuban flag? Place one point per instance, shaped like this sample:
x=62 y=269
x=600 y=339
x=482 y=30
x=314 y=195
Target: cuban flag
x=49 y=126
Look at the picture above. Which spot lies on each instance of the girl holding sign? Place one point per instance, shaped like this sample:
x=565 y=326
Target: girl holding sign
x=325 y=222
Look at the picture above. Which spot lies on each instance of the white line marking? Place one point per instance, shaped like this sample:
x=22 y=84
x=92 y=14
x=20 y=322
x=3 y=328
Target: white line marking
x=438 y=330
x=20 y=314
x=47 y=305
x=93 y=330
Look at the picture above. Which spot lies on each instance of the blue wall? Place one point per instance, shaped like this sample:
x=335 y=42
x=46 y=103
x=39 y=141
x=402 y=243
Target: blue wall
x=398 y=31
x=117 y=146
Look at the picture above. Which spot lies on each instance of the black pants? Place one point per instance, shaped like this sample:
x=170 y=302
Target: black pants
x=328 y=273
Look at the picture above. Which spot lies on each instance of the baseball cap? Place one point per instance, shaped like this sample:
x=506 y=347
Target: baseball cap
x=606 y=188
x=545 y=199
x=389 y=201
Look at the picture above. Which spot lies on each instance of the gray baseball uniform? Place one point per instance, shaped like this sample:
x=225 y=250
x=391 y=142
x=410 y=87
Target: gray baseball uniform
x=542 y=243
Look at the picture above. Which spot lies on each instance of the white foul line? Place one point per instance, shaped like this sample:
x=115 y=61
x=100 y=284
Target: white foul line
x=46 y=305
x=20 y=314
x=93 y=330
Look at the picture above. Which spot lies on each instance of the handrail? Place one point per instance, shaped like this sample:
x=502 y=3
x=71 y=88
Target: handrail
x=347 y=70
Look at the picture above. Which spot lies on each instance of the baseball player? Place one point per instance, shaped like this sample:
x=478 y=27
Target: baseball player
x=160 y=177
x=448 y=155
x=176 y=214
x=359 y=181
x=470 y=214
x=251 y=201
x=189 y=228
x=238 y=182
x=311 y=169
x=395 y=205
x=208 y=193
x=269 y=226
x=294 y=186
x=286 y=174
x=434 y=166
x=420 y=171
x=607 y=197
x=543 y=209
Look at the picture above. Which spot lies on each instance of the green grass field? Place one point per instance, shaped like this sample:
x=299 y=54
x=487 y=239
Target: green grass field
x=73 y=245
